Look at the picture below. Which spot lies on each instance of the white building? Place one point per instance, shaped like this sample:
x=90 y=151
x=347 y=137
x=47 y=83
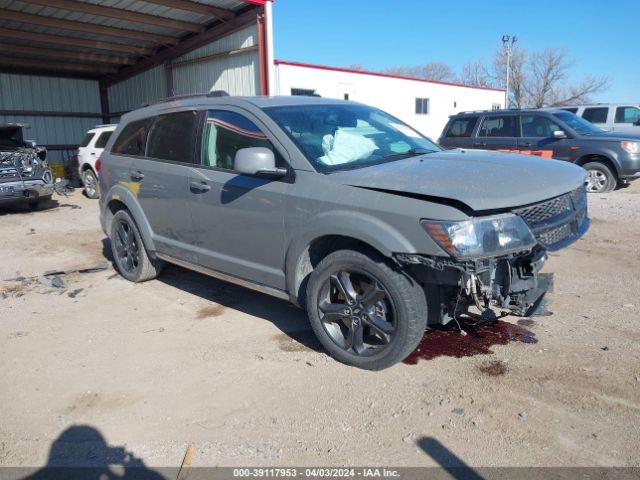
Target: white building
x=423 y=104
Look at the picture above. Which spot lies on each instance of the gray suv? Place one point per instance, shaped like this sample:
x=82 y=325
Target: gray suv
x=609 y=157
x=339 y=208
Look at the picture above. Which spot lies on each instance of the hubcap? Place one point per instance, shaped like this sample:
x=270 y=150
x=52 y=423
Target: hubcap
x=126 y=247
x=357 y=312
x=596 y=181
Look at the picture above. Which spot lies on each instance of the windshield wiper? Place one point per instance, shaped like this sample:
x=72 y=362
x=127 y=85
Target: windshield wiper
x=409 y=153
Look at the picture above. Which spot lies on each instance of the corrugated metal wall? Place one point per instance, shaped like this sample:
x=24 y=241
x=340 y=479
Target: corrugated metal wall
x=237 y=74
x=146 y=87
x=51 y=94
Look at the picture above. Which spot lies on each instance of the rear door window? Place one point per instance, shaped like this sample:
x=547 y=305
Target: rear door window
x=132 y=139
x=596 y=114
x=103 y=139
x=499 y=126
x=172 y=137
x=463 y=127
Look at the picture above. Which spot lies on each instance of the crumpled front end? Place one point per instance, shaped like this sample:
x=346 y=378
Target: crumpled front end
x=499 y=285
x=24 y=176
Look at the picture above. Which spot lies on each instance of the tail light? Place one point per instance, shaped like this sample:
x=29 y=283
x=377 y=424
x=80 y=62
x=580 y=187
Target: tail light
x=98 y=165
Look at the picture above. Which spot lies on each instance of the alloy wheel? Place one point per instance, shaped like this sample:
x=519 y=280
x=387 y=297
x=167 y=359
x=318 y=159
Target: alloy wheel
x=596 y=181
x=357 y=312
x=89 y=184
x=127 y=249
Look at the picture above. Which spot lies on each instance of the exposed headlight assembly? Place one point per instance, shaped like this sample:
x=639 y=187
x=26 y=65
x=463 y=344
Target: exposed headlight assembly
x=482 y=236
x=631 y=147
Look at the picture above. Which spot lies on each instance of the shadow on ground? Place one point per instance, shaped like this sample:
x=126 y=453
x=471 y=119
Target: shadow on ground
x=81 y=452
x=289 y=319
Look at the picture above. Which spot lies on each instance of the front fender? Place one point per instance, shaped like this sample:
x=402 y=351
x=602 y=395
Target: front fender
x=356 y=225
x=127 y=196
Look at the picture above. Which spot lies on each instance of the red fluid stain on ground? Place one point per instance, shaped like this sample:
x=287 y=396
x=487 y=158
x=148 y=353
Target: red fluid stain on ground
x=449 y=342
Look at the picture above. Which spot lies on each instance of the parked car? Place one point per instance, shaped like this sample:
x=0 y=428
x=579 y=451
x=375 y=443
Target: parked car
x=619 y=117
x=89 y=152
x=24 y=173
x=339 y=208
x=609 y=157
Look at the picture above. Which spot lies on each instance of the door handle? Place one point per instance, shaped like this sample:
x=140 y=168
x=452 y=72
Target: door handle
x=199 y=187
x=480 y=144
x=137 y=176
x=527 y=144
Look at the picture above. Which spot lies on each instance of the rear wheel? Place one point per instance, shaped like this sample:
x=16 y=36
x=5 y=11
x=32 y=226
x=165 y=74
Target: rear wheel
x=600 y=179
x=129 y=252
x=365 y=313
x=90 y=181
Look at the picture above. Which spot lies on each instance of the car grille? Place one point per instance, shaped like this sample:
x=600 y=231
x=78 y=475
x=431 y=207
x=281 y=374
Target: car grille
x=559 y=221
x=8 y=174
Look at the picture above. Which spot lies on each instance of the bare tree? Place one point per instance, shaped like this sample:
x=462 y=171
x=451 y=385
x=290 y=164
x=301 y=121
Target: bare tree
x=540 y=79
x=431 y=71
x=477 y=74
x=517 y=76
x=355 y=66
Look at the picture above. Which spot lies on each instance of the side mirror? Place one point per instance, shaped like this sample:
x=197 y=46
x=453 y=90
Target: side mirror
x=258 y=161
x=30 y=143
x=637 y=123
x=559 y=134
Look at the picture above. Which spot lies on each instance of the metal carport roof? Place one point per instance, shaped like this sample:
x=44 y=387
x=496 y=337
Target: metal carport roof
x=110 y=39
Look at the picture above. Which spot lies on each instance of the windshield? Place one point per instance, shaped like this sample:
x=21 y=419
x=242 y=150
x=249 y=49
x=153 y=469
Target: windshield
x=339 y=137
x=578 y=124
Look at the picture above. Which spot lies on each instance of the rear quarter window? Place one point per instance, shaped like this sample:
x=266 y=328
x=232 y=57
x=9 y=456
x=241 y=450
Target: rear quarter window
x=133 y=138
x=463 y=127
x=103 y=139
x=87 y=139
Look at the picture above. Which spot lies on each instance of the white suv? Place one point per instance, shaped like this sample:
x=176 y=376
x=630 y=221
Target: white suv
x=620 y=117
x=90 y=150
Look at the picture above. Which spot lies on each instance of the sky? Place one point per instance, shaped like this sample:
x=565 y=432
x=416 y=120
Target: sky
x=602 y=37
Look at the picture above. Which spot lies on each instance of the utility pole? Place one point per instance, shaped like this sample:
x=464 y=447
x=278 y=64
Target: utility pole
x=507 y=43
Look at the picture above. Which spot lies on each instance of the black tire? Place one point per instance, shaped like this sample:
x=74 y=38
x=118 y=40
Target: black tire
x=42 y=203
x=387 y=307
x=601 y=179
x=129 y=253
x=91 y=185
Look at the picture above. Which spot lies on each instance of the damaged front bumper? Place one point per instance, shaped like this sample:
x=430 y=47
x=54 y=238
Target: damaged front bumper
x=26 y=190
x=494 y=286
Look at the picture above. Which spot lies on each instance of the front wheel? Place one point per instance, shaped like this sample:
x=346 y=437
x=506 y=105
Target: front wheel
x=364 y=312
x=600 y=179
x=41 y=203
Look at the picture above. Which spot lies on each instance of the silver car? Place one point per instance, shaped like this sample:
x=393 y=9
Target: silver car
x=339 y=208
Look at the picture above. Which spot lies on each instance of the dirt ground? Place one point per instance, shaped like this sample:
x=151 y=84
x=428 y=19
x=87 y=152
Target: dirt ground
x=188 y=360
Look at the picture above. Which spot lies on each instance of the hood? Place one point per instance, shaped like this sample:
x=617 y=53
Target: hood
x=620 y=136
x=482 y=180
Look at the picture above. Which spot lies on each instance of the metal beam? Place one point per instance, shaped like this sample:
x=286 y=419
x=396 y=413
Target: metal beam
x=94 y=28
x=191 y=43
x=73 y=42
x=39 y=113
x=55 y=66
x=221 y=13
x=120 y=14
x=82 y=57
x=104 y=100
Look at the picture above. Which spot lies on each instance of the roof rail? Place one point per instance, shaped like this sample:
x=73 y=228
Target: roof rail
x=212 y=93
